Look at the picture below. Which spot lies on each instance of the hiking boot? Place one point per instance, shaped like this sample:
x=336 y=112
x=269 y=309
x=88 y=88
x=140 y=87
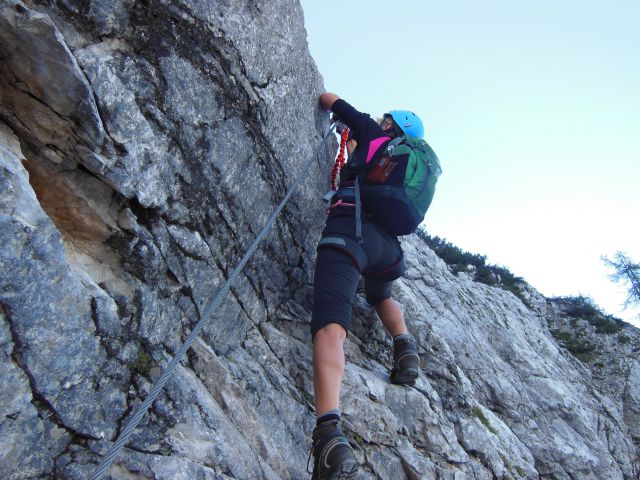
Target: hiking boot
x=406 y=362
x=332 y=454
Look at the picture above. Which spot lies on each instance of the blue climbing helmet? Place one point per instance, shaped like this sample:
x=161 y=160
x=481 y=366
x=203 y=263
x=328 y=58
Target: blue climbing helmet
x=408 y=122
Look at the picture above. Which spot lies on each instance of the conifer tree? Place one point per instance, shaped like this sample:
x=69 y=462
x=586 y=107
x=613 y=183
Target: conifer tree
x=627 y=273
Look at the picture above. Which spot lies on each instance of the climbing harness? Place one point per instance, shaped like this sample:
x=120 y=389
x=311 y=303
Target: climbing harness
x=339 y=163
x=340 y=159
x=222 y=292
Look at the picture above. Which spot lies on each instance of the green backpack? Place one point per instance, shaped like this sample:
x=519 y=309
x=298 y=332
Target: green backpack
x=397 y=187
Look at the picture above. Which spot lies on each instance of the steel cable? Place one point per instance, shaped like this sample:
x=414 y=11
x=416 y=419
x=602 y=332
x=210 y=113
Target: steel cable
x=132 y=423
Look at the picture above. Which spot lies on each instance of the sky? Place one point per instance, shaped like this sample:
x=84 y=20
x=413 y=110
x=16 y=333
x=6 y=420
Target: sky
x=533 y=108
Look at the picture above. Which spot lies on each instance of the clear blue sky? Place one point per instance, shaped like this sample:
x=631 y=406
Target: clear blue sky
x=533 y=108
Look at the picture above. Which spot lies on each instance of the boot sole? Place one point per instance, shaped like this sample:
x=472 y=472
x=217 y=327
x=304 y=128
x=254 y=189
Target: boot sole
x=347 y=470
x=408 y=377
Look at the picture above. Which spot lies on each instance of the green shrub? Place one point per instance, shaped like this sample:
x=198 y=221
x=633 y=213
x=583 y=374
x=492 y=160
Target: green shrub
x=487 y=275
x=585 y=308
x=623 y=339
x=143 y=363
x=459 y=260
x=580 y=307
x=585 y=357
x=451 y=254
x=608 y=324
x=562 y=336
x=579 y=347
x=457 y=268
x=582 y=350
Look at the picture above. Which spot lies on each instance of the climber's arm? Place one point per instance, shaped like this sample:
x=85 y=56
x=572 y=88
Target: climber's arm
x=327 y=99
x=362 y=126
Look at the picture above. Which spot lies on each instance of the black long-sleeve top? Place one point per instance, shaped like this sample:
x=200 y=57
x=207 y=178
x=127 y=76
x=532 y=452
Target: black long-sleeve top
x=371 y=139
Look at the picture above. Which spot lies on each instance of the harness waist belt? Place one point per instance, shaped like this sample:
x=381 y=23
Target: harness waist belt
x=346 y=194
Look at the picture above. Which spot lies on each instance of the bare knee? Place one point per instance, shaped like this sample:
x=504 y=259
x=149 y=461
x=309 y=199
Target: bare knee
x=386 y=303
x=388 y=307
x=331 y=333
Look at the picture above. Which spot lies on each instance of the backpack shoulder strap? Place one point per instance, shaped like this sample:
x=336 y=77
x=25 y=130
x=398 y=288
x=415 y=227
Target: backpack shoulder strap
x=393 y=144
x=358 y=211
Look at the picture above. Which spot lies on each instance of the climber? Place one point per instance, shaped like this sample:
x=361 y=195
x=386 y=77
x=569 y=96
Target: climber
x=353 y=244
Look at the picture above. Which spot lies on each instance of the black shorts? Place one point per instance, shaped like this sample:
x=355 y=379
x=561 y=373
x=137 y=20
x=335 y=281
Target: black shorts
x=342 y=260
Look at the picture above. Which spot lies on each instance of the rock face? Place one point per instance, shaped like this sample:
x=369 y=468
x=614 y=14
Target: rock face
x=142 y=147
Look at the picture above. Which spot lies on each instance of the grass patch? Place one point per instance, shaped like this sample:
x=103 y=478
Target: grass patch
x=143 y=363
x=521 y=472
x=479 y=414
x=511 y=468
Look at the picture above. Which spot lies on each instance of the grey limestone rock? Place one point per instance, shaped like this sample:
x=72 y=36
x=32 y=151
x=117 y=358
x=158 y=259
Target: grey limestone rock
x=143 y=146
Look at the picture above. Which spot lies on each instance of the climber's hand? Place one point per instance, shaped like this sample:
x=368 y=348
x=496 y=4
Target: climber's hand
x=327 y=99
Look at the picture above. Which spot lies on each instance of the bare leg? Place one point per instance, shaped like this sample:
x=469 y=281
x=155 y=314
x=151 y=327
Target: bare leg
x=329 y=442
x=328 y=366
x=406 y=362
x=391 y=316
